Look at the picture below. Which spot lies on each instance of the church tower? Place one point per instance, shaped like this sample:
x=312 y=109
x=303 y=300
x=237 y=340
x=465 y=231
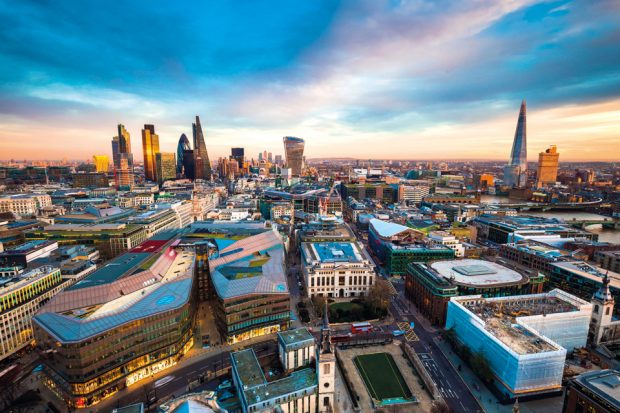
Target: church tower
x=602 y=310
x=326 y=367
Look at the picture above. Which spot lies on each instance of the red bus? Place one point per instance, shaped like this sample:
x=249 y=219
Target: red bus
x=364 y=327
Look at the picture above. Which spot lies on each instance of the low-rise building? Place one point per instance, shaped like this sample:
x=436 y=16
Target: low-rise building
x=21 y=296
x=593 y=392
x=448 y=240
x=24 y=204
x=525 y=339
x=609 y=260
x=155 y=221
x=534 y=255
x=336 y=269
x=430 y=286
x=135 y=199
x=396 y=246
x=22 y=255
x=90 y=180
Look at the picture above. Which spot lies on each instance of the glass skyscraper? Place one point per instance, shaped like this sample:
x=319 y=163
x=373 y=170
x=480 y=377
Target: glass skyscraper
x=515 y=172
x=294 y=149
x=182 y=147
x=150 y=147
x=122 y=158
x=202 y=165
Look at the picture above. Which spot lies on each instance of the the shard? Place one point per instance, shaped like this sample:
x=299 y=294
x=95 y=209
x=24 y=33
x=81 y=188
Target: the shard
x=515 y=172
x=202 y=166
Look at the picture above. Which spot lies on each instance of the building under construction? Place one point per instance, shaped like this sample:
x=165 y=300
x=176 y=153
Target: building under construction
x=524 y=338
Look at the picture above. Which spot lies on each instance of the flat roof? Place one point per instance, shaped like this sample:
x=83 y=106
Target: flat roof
x=591 y=272
x=295 y=336
x=332 y=251
x=476 y=272
x=604 y=383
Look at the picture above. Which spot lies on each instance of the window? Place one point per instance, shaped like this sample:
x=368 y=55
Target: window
x=596 y=309
x=326 y=368
x=607 y=310
x=326 y=401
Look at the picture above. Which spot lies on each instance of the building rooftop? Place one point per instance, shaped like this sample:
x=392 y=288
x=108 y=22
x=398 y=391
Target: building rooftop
x=477 y=273
x=604 y=383
x=298 y=335
x=590 y=272
x=28 y=247
x=10 y=285
x=147 y=284
x=387 y=229
x=507 y=318
x=328 y=252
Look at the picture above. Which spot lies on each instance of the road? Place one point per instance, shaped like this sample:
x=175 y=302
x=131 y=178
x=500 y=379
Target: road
x=450 y=384
x=176 y=380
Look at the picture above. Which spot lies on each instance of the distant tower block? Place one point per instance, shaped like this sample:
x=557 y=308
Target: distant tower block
x=515 y=172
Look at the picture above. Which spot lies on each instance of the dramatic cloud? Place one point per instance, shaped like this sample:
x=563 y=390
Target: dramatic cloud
x=365 y=78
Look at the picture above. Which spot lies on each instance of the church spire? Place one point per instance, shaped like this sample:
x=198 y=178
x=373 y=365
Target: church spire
x=326 y=341
x=604 y=294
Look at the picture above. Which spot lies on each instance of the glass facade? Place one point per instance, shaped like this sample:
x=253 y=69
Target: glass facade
x=294 y=149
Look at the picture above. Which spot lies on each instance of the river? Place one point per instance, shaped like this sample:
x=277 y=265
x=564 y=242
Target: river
x=604 y=235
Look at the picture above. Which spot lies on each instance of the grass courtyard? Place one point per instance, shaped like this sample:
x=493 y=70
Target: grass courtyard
x=382 y=378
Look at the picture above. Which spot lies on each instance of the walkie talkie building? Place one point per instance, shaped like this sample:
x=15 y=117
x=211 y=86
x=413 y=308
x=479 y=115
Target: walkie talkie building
x=294 y=149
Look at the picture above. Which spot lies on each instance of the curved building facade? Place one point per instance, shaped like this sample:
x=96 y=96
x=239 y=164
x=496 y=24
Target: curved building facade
x=126 y=321
x=182 y=147
x=294 y=150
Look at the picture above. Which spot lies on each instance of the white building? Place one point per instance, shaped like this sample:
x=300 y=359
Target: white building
x=24 y=204
x=449 y=240
x=336 y=269
x=524 y=338
x=135 y=200
x=412 y=193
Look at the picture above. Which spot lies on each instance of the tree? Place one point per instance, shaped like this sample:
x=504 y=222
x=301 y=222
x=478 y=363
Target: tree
x=319 y=304
x=379 y=295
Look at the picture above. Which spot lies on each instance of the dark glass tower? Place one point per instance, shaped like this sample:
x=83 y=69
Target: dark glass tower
x=238 y=154
x=515 y=172
x=202 y=166
x=181 y=148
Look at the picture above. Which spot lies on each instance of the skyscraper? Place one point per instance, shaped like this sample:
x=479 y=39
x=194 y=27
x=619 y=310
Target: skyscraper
x=166 y=166
x=515 y=172
x=202 y=166
x=150 y=146
x=238 y=154
x=294 y=150
x=102 y=163
x=122 y=158
x=181 y=148
x=547 y=167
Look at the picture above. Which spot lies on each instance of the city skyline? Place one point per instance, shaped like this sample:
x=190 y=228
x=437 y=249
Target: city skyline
x=366 y=79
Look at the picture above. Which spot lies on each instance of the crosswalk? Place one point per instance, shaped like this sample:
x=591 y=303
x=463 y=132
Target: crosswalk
x=410 y=335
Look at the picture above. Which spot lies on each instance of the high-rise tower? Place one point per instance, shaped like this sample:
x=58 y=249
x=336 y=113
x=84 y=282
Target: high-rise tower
x=150 y=146
x=122 y=158
x=515 y=172
x=547 y=167
x=182 y=147
x=294 y=150
x=602 y=311
x=202 y=166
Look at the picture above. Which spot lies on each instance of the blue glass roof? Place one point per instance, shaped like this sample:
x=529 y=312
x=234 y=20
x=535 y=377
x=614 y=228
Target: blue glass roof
x=167 y=297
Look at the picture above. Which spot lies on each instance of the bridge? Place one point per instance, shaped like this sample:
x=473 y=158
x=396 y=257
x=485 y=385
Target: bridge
x=547 y=206
x=605 y=222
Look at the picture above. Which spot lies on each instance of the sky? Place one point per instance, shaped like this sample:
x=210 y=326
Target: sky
x=367 y=79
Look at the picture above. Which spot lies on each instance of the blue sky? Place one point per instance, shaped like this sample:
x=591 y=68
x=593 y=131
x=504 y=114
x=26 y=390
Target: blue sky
x=370 y=79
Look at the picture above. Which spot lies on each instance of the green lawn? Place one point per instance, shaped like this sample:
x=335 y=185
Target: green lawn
x=382 y=377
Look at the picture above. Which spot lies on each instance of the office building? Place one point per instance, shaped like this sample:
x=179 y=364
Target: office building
x=110 y=239
x=524 y=339
x=396 y=246
x=123 y=174
x=297 y=391
x=24 y=254
x=336 y=269
x=21 y=296
x=155 y=221
x=98 y=213
x=182 y=148
x=247 y=278
x=202 y=165
x=102 y=163
x=593 y=392
x=121 y=144
x=609 y=260
x=430 y=286
x=503 y=229
x=547 y=173
x=166 y=166
x=448 y=240
x=533 y=255
x=294 y=150
x=412 y=194
x=381 y=192
x=128 y=320
x=238 y=154
x=515 y=172
x=24 y=204
x=135 y=200
x=584 y=280
x=150 y=147
x=90 y=180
